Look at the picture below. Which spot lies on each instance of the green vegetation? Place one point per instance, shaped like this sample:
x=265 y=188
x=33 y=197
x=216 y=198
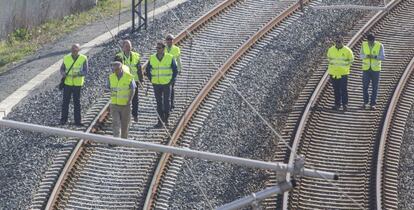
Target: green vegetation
x=23 y=42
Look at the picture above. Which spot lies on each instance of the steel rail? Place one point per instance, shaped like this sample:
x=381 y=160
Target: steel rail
x=386 y=129
x=323 y=82
x=77 y=151
x=194 y=106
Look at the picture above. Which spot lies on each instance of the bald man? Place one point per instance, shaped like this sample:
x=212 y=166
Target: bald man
x=73 y=70
x=133 y=61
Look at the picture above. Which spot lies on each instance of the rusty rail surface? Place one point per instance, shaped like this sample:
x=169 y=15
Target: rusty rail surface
x=385 y=132
x=184 y=122
x=310 y=120
x=77 y=151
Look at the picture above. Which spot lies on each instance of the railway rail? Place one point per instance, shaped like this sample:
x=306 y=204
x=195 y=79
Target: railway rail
x=163 y=183
x=357 y=144
x=98 y=176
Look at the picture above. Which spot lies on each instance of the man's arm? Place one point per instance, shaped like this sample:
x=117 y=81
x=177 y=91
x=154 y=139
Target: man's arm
x=381 y=55
x=85 y=68
x=174 y=68
x=63 y=70
x=139 y=72
x=132 y=86
x=178 y=60
x=148 y=71
x=179 y=66
x=108 y=85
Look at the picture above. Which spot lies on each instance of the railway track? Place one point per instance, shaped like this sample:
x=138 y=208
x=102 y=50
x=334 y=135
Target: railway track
x=347 y=143
x=163 y=184
x=98 y=176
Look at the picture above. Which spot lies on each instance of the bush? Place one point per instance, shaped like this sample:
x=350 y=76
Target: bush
x=21 y=34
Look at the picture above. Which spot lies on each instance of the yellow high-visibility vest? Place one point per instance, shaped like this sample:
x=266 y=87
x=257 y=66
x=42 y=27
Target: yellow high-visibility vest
x=372 y=63
x=174 y=51
x=340 y=61
x=161 y=70
x=74 y=77
x=120 y=88
x=131 y=61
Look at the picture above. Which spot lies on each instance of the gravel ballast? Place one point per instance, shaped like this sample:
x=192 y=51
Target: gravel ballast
x=270 y=83
x=406 y=176
x=25 y=156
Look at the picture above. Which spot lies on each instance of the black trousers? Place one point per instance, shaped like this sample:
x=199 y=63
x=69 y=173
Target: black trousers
x=340 y=87
x=68 y=91
x=135 y=102
x=172 y=94
x=162 y=96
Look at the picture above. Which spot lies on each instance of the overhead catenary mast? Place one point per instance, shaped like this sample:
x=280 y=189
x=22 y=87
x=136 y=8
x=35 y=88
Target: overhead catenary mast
x=142 y=16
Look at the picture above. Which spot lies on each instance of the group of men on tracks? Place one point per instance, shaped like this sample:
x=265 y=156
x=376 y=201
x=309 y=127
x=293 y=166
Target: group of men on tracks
x=124 y=82
x=164 y=66
x=340 y=59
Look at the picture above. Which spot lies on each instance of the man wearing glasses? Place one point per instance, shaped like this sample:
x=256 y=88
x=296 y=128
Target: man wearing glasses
x=162 y=71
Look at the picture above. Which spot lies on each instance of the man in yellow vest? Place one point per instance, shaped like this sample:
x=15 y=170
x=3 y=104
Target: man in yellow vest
x=161 y=71
x=133 y=61
x=372 y=53
x=340 y=58
x=73 y=69
x=122 y=86
x=175 y=51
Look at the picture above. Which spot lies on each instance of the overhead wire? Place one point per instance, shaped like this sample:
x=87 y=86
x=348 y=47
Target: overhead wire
x=119 y=13
x=115 y=42
x=269 y=125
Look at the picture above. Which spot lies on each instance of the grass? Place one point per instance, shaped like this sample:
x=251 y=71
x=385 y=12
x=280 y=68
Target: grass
x=23 y=42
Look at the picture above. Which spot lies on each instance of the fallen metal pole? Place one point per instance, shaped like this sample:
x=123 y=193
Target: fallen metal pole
x=261 y=195
x=281 y=167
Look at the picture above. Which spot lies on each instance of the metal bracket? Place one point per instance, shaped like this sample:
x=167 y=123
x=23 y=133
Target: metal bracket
x=255 y=203
x=299 y=165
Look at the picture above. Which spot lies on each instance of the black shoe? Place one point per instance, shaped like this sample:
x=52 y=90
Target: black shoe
x=158 y=125
x=345 y=108
x=135 y=119
x=172 y=107
x=335 y=108
x=79 y=124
